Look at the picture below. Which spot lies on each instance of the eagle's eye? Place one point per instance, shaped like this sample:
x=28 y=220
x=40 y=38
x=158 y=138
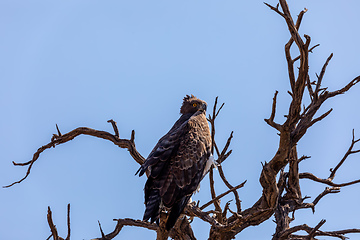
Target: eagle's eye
x=194 y=104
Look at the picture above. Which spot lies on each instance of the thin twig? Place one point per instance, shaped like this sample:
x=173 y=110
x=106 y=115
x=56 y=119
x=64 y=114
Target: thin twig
x=321 y=117
x=311 y=92
x=320 y=77
x=222 y=195
x=236 y=195
x=316 y=228
x=325 y=192
x=51 y=225
x=348 y=152
x=310 y=50
x=223 y=155
x=57 y=128
x=101 y=231
x=211 y=172
x=276 y=9
x=311 y=176
x=126 y=222
x=116 y=130
x=193 y=210
x=68 y=222
x=344 y=89
x=270 y=121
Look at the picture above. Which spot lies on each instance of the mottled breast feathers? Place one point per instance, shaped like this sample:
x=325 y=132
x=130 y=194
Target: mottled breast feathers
x=177 y=162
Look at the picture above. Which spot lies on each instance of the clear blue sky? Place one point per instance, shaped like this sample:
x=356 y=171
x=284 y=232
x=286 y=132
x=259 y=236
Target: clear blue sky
x=80 y=63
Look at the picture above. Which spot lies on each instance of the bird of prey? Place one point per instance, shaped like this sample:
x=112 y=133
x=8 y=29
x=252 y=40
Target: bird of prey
x=178 y=163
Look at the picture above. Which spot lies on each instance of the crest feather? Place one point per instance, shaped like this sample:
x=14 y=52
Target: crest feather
x=187 y=103
x=188 y=98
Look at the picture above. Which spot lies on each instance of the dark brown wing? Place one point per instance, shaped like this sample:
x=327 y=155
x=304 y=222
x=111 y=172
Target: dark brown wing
x=165 y=147
x=177 y=173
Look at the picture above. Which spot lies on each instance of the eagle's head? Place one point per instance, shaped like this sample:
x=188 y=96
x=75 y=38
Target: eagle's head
x=192 y=104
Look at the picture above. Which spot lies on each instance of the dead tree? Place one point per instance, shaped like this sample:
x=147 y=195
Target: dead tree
x=280 y=196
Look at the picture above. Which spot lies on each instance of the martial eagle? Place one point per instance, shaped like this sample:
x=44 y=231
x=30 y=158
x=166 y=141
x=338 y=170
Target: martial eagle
x=177 y=163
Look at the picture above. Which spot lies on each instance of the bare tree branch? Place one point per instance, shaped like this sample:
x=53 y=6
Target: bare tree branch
x=222 y=195
x=236 y=195
x=344 y=89
x=113 y=123
x=127 y=222
x=311 y=176
x=57 y=140
x=320 y=77
x=211 y=172
x=276 y=9
x=310 y=50
x=192 y=210
x=348 y=152
x=324 y=193
x=313 y=232
x=321 y=117
x=68 y=223
x=270 y=121
x=51 y=225
x=281 y=192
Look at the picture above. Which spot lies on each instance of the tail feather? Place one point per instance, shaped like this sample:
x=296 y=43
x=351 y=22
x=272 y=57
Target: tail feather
x=175 y=212
x=152 y=206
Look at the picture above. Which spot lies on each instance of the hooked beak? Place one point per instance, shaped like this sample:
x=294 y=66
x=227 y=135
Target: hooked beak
x=203 y=107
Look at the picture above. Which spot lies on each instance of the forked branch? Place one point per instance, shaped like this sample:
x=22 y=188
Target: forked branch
x=314 y=232
x=329 y=180
x=52 y=226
